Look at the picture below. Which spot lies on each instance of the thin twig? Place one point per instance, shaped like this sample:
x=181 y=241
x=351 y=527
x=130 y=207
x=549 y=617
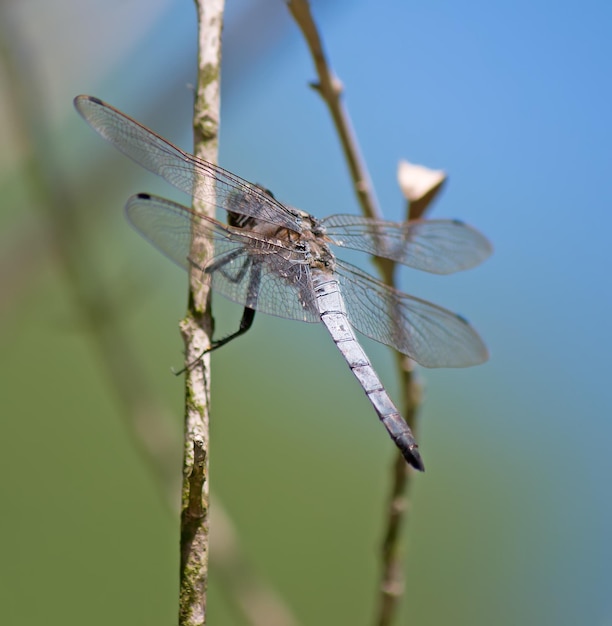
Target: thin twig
x=392 y=575
x=196 y=329
x=420 y=186
x=253 y=601
x=330 y=88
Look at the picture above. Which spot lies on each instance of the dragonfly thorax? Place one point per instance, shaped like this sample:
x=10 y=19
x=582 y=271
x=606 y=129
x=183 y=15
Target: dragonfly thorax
x=314 y=235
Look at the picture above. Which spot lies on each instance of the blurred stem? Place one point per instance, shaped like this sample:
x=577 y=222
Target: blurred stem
x=150 y=432
x=251 y=599
x=196 y=329
x=330 y=88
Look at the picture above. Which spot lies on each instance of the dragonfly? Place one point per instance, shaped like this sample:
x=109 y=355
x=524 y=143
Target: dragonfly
x=272 y=258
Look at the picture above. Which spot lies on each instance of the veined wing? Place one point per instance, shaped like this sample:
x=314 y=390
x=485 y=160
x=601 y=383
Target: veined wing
x=246 y=268
x=194 y=176
x=436 y=246
x=428 y=334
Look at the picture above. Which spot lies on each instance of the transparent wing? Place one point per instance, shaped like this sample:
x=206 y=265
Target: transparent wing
x=244 y=268
x=436 y=246
x=194 y=176
x=167 y=226
x=429 y=334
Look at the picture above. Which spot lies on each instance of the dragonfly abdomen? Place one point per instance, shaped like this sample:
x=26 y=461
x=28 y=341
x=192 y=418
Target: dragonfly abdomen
x=333 y=315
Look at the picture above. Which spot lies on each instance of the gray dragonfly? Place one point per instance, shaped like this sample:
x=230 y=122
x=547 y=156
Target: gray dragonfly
x=276 y=259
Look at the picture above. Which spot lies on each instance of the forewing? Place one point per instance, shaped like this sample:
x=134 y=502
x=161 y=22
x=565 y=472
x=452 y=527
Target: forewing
x=194 y=176
x=436 y=246
x=428 y=334
x=243 y=267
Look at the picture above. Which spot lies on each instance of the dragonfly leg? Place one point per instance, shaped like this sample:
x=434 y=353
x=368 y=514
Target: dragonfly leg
x=248 y=315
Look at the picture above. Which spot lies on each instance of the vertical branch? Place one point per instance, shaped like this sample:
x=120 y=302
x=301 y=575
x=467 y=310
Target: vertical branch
x=330 y=88
x=392 y=576
x=196 y=329
x=420 y=186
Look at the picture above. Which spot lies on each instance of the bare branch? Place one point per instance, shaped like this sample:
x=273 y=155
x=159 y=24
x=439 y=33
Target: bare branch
x=398 y=507
x=420 y=185
x=196 y=329
x=330 y=88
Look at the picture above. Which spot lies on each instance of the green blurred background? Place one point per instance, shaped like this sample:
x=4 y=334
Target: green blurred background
x=511 y=522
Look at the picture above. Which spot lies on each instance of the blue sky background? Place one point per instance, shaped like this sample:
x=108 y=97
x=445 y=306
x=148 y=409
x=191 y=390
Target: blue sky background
x=511 y=521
